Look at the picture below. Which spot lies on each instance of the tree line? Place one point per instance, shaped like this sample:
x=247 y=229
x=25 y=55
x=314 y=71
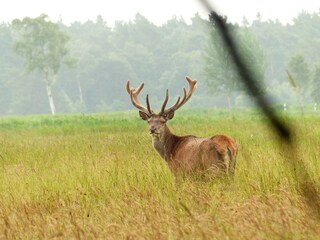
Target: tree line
x=83 y=67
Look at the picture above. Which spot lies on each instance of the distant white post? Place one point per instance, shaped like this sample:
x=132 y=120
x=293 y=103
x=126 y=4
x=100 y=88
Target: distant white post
x=284 y=107
x=315 y=107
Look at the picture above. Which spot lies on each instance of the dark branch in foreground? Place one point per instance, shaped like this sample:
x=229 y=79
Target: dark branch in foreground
x=306 y=185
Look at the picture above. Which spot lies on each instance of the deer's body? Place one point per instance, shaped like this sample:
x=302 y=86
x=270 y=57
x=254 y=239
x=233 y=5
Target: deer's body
x=187 y=153
x=191 y=153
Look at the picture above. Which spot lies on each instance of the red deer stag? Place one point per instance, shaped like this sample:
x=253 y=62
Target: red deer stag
x=188 y=153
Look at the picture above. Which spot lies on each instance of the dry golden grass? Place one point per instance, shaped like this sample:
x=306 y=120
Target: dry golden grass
x=91 y=177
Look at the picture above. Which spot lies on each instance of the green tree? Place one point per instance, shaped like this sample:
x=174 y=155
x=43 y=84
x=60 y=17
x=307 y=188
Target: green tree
x=300 y=75
x=43 y=47
x=91 y=43
x=141 y=59
x=221 y=76
x=316 y=83
x=220 y=71
x=307 y=32
x=278 y=45
x=253 y=54
x=142 y=31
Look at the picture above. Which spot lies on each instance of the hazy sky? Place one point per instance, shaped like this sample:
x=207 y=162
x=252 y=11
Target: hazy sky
x=156 y=11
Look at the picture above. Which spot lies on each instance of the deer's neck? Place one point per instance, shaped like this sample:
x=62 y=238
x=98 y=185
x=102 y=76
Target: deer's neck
x=165 y=143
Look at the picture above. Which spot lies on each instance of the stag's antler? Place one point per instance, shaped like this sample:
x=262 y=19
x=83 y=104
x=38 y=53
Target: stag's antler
x=134 y=93
x=186 y=96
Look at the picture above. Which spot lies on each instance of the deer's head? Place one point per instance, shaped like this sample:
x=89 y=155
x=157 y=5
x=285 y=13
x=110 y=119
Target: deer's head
x=157 y=121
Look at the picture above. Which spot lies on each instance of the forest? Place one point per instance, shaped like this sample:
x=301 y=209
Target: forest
x=88 y=73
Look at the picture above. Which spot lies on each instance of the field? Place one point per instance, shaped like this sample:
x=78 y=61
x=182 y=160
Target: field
x=98 y=176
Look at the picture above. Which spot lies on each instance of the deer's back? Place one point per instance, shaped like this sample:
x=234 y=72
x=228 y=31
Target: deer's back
x=194 y=153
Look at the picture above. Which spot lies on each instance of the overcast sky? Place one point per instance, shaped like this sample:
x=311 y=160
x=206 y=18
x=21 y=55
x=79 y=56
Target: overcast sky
x=156 y=11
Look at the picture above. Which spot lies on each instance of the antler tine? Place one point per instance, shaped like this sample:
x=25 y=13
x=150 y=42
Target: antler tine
x=135 y=90
x=128 y=86
x=148 y=104
x=165 y=102
x=186 y=96
x=135 y=102
x=174 y=106
x=134 y=93
x=192 y=86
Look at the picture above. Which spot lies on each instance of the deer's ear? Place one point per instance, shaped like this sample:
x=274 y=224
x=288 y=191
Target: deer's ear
x=169 y=116
x=144 y=115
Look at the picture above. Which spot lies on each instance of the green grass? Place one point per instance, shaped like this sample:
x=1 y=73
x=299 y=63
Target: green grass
x=98 y=176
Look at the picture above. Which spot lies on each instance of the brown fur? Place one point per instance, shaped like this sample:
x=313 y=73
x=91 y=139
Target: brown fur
x=191 y=153
x=188 y=153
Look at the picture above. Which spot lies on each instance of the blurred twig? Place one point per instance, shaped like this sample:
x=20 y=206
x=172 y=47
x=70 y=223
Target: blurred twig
x=305 y=184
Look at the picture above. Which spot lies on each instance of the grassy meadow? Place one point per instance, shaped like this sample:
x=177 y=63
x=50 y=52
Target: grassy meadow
x=98 y=177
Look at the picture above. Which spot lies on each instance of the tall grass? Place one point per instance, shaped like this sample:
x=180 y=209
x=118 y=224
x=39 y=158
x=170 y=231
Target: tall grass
x=97 y=176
